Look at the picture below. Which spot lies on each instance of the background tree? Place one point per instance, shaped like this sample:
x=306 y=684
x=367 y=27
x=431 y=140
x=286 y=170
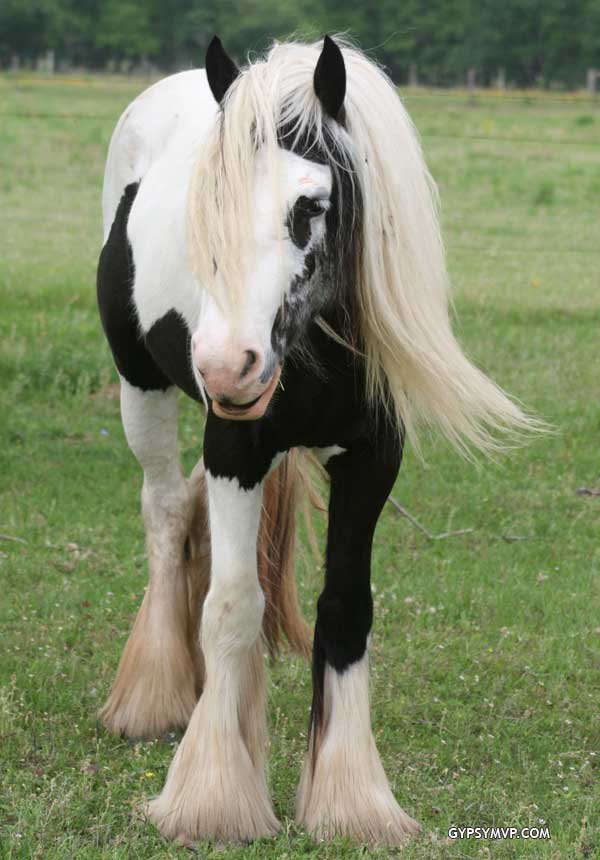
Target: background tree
x=551 y=42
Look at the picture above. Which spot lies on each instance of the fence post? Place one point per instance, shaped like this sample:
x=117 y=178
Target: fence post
x=592 y=77
x=501 y=78
x=413 y=79
x=471 y=78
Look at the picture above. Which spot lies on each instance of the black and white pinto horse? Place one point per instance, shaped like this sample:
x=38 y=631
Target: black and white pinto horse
x=271 y=248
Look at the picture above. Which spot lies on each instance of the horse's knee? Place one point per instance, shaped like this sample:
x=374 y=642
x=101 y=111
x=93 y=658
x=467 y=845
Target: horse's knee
x=167 y=508
x=344 y=620
x=232 y=616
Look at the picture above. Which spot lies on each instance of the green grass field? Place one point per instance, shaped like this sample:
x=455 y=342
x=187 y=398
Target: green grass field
x=486 y=646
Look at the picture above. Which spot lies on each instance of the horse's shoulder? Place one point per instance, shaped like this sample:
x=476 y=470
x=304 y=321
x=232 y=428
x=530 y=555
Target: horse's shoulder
x=168 y=107
x=168 y=117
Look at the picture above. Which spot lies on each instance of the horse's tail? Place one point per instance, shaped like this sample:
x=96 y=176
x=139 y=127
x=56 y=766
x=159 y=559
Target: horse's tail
x=276 y=553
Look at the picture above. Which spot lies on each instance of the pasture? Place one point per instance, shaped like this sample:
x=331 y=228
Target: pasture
x=486 y=645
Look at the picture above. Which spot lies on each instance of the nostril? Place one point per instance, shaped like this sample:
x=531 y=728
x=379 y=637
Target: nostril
x=251 y=359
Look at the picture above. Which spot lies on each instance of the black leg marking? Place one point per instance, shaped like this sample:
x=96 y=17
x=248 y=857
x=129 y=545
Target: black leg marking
x=361 y=480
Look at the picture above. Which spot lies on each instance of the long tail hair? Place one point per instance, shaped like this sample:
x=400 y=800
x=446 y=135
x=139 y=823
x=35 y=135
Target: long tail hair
x=413 y=361
x=286 y=487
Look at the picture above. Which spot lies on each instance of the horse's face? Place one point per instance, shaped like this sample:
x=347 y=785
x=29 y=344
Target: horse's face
x=239 y=355
x=284 y=273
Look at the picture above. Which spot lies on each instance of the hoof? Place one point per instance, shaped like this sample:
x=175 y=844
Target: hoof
x=347 y=794
x=153 y=693
x=213 y=792
x=155 y=687
x=132 y=715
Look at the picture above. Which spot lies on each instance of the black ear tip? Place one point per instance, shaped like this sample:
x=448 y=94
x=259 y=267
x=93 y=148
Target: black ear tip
x=330 y=46
x=214 y=46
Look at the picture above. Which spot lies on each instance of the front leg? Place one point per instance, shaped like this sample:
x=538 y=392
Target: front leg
x=159 y=675
x=344 y=790
x=216 y=787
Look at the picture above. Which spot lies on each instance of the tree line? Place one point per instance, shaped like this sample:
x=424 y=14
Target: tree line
x=526 y=42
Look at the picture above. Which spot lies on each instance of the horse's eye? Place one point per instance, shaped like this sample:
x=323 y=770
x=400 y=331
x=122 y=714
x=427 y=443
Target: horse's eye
x=309 y=207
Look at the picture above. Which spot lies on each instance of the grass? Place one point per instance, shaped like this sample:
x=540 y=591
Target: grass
x=486 y=648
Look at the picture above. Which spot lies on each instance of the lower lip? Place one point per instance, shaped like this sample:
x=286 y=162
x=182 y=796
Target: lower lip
x=257 y=410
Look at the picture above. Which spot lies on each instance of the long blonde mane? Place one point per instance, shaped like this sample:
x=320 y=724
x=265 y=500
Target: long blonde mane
x=414 y=363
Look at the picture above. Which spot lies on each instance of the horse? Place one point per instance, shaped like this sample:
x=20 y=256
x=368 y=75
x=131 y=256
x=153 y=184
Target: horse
x=272 y=249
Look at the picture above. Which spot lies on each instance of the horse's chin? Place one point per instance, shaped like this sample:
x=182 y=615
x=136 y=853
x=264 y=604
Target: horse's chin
x=251 y=411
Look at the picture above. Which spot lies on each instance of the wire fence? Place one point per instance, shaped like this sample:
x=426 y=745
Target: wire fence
x=412 y=94
x=524 y=97
x=512 y=251
x=408 y=91
x=535 y=141
x=57 y=115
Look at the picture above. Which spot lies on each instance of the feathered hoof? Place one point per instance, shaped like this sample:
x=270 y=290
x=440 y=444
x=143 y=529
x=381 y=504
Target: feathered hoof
x=188 y=816
x=213 y=792
x=374 y=821
x=153 y=693
x=131 y=712
x=221 y=827
x=353 y=803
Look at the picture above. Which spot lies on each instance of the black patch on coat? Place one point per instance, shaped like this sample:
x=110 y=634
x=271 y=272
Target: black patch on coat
x=296 y=310
x=243 y=450
x=170 y=343
x=151 y=362
x=328 y=283
x=299 y=220
x=114 y=286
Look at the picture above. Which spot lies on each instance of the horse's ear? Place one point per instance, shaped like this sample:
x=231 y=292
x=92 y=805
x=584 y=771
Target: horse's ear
x=221 y=71
x=330 y=78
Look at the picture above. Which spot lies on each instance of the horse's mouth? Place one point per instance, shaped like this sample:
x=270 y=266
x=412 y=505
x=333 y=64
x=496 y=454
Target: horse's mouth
x=248 y=411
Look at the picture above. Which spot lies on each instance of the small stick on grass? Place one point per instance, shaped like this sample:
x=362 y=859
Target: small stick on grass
x=456 y=533
x=407 y=515
x=588 y=491
x=13 y=539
